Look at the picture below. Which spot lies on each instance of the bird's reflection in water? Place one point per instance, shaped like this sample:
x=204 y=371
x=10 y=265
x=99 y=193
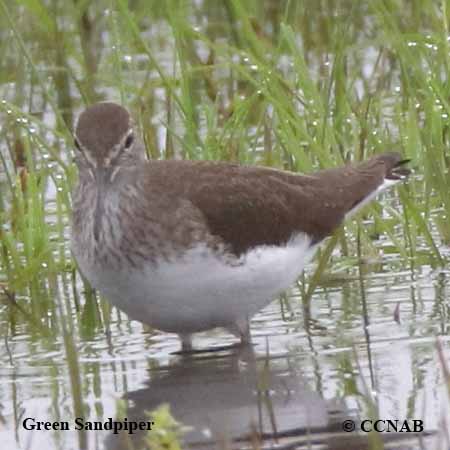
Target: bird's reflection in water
x=232 y=400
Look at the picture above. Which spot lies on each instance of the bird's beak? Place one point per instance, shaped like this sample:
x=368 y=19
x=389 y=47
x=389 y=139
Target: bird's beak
x=103 y=175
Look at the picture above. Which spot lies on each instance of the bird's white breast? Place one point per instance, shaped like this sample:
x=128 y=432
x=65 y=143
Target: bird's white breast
x=201 y=290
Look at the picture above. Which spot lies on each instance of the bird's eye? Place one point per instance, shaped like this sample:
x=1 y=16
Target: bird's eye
x=129 y=141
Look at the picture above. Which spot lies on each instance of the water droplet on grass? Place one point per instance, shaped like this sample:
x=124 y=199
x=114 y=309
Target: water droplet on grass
x=207 y=433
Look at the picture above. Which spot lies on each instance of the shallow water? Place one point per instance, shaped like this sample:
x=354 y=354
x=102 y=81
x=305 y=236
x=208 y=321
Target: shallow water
x=336 y=361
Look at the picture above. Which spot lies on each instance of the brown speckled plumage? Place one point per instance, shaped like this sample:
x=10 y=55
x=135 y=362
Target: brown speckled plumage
x=248 y=206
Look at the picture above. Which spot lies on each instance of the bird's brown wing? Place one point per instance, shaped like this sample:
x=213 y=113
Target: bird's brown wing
x=250 y=206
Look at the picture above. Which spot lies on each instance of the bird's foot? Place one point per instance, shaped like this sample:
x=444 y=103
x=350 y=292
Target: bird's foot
x=239 y=329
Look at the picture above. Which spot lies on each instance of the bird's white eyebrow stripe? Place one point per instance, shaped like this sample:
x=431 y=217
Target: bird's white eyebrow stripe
x=86 y=153
x=115 y=172
x=118 y=148
x=115 y=151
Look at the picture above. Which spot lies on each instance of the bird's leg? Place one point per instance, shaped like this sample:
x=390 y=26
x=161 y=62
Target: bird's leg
x=241 y=329
x=186 y=342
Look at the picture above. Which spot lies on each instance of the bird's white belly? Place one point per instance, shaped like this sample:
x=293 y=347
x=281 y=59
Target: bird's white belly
x=200 y=290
